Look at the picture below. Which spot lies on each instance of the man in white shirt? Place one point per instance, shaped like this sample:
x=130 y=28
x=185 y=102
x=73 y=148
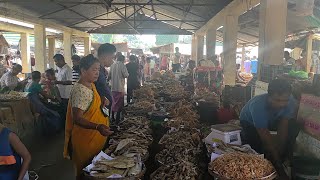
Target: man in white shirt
x=10 y=80
x=64 y=78
x=118 y=73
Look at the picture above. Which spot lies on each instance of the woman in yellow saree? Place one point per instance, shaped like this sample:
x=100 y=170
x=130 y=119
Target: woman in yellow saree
x=86 y=125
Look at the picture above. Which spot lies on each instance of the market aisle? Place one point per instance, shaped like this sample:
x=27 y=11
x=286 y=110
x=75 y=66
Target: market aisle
x=47 y=158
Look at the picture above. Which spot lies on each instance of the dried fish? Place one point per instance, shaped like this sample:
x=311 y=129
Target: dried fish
x=241 y=166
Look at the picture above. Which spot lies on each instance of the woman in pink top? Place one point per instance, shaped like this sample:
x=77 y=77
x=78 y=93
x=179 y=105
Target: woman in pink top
x=164 y=63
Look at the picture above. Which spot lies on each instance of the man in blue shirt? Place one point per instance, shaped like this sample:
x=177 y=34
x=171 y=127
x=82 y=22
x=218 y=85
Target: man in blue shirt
x=268 y=112
x=106 y=54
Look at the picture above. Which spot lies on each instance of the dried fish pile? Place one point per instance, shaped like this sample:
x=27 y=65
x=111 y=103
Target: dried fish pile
x=181 y=170
x=241 y=166
x=13 y=96
x=134 y=137
x=184 y=115
x=180 y=152
x=126 y=166
x=141 y=106
x=144 y=93
x=203 y=94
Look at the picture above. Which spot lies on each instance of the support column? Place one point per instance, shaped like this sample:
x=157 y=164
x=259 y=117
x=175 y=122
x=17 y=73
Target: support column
x=40 y=48
x=309 y=54
x=51 y=52
x=243 y=58
x=67 y=42
x=273 y=20
x=211 y=38
x=194 y=48
x=25 y=53
x=200 y=46
x=87 y=45
x=230 y=49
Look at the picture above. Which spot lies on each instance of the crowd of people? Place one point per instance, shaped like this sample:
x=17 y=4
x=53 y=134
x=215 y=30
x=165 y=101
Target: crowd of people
x=80 y=99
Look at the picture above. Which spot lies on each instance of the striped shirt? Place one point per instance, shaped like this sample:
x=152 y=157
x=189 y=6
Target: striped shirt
x=75 y=75
x=118 y=73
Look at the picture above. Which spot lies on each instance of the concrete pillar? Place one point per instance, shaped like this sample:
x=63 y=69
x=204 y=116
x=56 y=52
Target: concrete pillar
x=230 y=49
x=67 y=42
x=309 y=54
x=273 y=20
x=200 y=46
x=211 y=38
x=25 y=53
x=51 y=50
x=243 y=58
x=87 y=45
x=40 y=48
x=194 y=48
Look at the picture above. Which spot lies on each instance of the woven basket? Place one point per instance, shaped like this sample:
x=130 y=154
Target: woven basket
x=220 y=177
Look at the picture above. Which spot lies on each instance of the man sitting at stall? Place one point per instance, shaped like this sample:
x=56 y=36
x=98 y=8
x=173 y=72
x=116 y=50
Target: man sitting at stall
x=268 y=112
x=10 y=81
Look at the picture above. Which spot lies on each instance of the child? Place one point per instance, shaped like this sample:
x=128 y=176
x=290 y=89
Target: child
x=49 y=85
x=34 y=87
x=11 y=152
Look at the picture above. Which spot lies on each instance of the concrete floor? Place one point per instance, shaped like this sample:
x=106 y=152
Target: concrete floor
x=47 y=158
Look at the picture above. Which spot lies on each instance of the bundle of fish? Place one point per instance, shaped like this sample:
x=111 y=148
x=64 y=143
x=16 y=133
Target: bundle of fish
x=144 y=93
x=139 y=107
x=183 y=107
x=126 y=166
x=134 y=137
x=181 y=170
x=180 y=145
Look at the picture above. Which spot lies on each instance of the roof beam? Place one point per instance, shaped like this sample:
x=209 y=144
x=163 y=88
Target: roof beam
x=15 y=28
x=165 y=15
x=186 y=13
x=94 y=18
x=181 y=9
x=113 y=3
x=236 y=7
x=118 y=19
x=53 y=12
x=20 y=16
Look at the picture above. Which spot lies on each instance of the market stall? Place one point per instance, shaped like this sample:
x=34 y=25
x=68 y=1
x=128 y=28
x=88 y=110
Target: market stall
x=16 y=114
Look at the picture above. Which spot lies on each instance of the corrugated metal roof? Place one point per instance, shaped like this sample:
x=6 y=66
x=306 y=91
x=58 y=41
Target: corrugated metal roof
x=133 y=16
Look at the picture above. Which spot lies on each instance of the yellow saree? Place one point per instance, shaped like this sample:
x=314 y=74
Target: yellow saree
x=85 y=143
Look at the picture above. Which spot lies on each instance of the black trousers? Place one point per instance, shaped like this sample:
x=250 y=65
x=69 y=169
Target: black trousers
x=176 y=67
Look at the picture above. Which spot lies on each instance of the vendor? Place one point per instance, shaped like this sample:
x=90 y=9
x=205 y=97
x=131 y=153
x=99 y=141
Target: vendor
x=10 y=81
x=264 y=113
x=239 y=79
x=87 y=126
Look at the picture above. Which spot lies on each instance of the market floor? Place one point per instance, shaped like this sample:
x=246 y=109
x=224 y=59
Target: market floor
x=47 y=160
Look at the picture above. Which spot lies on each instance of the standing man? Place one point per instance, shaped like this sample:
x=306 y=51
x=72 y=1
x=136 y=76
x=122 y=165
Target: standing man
x=76 y=68
x=176 y=65
x=64 y=79
x=133 y=80
x=106 y=54
x=265 y=113
x=118 y=74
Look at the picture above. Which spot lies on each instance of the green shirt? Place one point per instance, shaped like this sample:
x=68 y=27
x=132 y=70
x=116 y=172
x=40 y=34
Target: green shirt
x=33 y=87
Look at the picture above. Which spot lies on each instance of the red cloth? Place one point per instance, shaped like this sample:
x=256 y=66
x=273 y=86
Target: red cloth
x=225 y=115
